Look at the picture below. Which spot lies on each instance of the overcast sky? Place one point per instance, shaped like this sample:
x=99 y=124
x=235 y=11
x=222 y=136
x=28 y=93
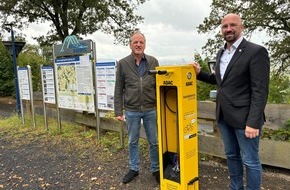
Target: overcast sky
x=170 y=30
x=169 y=27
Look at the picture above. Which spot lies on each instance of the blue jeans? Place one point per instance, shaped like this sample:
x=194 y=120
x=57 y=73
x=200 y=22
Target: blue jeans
x=133 y=120
x=240 y=151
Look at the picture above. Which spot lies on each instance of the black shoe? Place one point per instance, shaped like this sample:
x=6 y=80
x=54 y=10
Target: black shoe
x=157 y=176
x=130 y=176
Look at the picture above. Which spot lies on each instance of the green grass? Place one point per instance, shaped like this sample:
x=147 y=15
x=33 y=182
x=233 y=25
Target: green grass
x=12 y=127
x=81 y=136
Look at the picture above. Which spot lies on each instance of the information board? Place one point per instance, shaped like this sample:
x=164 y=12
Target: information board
x=23 y=83
x=106 y=78
x=74 y=81
x=48 y=84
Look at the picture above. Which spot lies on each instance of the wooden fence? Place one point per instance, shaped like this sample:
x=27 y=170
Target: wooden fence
x=273 y=153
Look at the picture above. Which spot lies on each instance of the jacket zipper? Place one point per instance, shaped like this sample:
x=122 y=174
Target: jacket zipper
x=141 y=93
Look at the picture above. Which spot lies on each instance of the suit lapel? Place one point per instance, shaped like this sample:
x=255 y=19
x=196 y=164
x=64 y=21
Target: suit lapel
x=239 y=51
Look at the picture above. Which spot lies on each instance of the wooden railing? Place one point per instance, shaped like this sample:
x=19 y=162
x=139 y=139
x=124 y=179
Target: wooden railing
x=272 y=153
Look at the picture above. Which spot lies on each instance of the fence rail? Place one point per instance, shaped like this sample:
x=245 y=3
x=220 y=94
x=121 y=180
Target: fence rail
x=273 y=153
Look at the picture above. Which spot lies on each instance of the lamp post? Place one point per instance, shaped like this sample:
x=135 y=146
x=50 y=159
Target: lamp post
x=211 y=65
x=18 y=106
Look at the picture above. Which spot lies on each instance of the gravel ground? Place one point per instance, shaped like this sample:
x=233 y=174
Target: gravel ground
x=55 y=163
x=37 y=161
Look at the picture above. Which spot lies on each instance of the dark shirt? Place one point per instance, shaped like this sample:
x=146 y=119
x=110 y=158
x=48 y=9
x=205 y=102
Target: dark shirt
x=142 y=66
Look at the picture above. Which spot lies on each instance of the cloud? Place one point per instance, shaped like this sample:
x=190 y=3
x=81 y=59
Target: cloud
x=37 y=29
x=170 y=30
x=169 y=27
x=181 y=15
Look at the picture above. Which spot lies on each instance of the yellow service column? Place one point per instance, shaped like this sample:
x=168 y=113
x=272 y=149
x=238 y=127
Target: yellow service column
x=177 y=127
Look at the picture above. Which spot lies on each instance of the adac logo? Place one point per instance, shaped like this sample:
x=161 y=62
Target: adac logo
x=190 y=83
x=72 y=42
x=189 y=75
x=168 y=82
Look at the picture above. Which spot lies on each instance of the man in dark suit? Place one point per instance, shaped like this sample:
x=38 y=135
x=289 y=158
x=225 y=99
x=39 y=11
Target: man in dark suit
x=242 y=78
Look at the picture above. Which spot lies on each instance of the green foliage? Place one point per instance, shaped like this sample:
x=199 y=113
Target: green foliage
x=279 y=89
x=287 y=125
x=12 y=126
x=31 y=56
x=6 y=73
x=203 y=89
x=281 y=134
x=111 y=141
x=269 y=16
x=47 y=54
x=74 y=17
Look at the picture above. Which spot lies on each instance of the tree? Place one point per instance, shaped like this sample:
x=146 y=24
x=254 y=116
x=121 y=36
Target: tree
x=203 y=89
x=7 y=86
x=31 y=56
x=74 y=17
x=279 y=90
x=271 y=16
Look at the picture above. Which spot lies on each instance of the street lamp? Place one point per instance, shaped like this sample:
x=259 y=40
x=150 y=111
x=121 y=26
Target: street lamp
x=211 y=65
x=14 y=51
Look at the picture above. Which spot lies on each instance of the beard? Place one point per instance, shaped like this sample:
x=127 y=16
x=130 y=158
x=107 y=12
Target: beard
x=230 y=37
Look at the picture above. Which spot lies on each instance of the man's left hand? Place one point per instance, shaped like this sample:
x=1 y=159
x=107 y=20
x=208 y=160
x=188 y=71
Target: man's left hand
x=251 y=132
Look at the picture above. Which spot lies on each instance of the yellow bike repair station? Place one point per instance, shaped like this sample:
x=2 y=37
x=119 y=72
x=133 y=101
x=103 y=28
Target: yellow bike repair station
x=177 y=127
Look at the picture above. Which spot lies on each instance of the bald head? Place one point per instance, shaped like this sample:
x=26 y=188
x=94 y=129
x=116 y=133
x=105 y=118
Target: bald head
x=231 y=28
x=232 y=16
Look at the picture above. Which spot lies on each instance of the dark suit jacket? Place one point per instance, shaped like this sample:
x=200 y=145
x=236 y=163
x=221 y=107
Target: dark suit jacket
x=243 y=92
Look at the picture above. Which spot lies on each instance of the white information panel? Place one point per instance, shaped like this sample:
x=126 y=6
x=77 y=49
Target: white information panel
x=74 y=80
x=23 y=83
x=106 y=77
x=48 y=84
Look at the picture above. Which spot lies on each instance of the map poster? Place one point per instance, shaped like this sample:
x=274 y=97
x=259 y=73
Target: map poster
x=47 y=76
x=74 y=80
x=106 y=77
x=23 y=83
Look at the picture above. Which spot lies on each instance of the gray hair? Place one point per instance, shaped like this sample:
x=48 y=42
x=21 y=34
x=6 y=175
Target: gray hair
x=137 y=32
